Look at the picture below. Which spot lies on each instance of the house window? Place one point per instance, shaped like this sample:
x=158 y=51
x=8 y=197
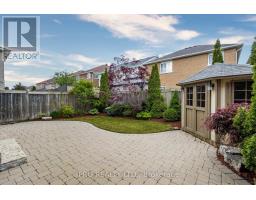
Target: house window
x=165 y=67
x=200 y=96
x=189 y=96
x=210 y=57
x=242 y=91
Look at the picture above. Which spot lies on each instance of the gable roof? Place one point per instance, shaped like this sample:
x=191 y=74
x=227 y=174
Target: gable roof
x=137 y=63
x=194 y=50
x=219 y=70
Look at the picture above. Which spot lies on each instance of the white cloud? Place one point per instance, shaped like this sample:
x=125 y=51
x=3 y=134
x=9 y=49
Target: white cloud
x=233 y=39
x=186 y=34
x=45 y=68
x=136 y=54
x=148 y=28
x=251 y=18
x=12 y=76
x=57 y=21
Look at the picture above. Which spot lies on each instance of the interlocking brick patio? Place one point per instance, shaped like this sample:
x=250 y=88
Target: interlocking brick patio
x=65 y=152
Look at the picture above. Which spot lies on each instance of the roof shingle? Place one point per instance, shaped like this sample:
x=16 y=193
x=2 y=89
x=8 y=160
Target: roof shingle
x=219 y=70
x=194 y=50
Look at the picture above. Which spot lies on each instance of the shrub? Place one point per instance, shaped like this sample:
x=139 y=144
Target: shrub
x=222 y=122
x=83 y=90
x=249 y=152
x=157 y=109
x=104 y=95
x=67 y=111
x=127 y=110
x=250 y=124
x=98 y=105
x=239 y=121
x=171 y=114
x=93 y=111
x=154 y=92
x=144 y=115
x=55 y=114
x=175 y=103
x=115 y=110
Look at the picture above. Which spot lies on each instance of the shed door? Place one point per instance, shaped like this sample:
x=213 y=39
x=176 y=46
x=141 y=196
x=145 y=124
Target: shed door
x=197 y=101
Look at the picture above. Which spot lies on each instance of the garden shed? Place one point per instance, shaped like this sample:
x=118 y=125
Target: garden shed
x=216 y=86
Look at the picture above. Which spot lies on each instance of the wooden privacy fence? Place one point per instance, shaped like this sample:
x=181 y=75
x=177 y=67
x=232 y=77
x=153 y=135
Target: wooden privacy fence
x=22 y=105
x=136 y=98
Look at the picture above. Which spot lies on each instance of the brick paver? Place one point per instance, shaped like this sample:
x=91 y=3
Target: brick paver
x=65 y=152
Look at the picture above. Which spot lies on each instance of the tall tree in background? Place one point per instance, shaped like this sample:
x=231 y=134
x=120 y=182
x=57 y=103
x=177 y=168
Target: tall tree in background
x=104 y=89
x=63 y=78
x=19 y=86
x=154 y=92
x=252 y=58
x=217 y=54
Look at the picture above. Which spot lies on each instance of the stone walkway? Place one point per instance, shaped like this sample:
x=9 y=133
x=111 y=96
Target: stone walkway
x=63 y=152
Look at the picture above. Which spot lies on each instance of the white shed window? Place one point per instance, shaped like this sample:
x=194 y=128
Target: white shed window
x=210 y=57
x=165 y=67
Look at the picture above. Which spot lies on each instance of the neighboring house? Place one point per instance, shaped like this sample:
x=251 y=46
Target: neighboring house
x=181 y=64
x=3 y=55
x=216 y=86
x=123 y=83
x=93 y=75
x=46 y=85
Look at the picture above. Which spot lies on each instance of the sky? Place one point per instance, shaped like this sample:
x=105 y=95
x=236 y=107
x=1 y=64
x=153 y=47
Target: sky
x=80 y=42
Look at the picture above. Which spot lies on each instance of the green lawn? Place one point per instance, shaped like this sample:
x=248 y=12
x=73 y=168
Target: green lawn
x=124 y=125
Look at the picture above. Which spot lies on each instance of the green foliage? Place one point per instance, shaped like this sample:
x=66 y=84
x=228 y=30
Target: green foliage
x=19 y=86
x=252 y=58
x=154 y=92
x=93 y=111
x=114 y=110
x=157 y=109
x=144 y=115
x=175 y=103
x=250 y=124
x=104 y=89
x=171 y=115
x=83 y=90
x=67 y=111
x=127 y=110
x=55 y=114
x=63 y=78
x=119 y=110
x=217 y=54
x=96 y=103
x=33 y=88
x=249 y=152
x=239 y=121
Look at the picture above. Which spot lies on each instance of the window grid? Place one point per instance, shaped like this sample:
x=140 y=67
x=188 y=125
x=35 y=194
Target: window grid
x=189 y=96
x=242 y=91
x=200 y=96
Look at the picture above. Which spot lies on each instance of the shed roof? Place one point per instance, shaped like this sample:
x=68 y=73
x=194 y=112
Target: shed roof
x=219 y=70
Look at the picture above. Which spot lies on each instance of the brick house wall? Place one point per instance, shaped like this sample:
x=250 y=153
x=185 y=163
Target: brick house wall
x=184 y=67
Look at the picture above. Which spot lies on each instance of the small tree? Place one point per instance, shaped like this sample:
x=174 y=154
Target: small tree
x=104 y=89
x=63 y=78
x=252 y=58
x=217 y=54
x=175 y=102
x=154 y=92
x=19 y=86
x=83 y=90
